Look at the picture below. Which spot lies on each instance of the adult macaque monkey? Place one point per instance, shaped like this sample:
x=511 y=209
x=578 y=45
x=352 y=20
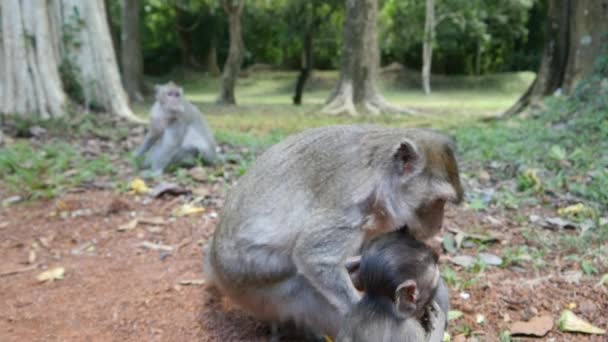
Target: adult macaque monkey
x=310 y=202
x=178 y=132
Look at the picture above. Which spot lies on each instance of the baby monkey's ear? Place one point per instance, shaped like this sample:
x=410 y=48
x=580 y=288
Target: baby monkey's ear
x=406 y=296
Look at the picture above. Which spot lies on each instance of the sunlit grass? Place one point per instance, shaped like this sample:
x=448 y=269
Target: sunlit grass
x=265 y=112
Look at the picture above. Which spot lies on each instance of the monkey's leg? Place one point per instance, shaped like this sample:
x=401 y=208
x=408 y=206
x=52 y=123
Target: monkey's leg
x=195 y=140
x=438 y=320
x=319 y=257
x=442 y=297
x=163 y=152
x=300 y=307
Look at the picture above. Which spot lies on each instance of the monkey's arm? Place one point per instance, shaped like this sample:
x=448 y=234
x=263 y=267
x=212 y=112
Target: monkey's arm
x=149 y=140
x=438 y=321
x=320 y=254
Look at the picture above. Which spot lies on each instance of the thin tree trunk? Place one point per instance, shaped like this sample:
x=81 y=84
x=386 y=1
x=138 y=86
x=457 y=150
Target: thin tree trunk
x=360 y=63
x=305 y=71
x=427 y=46
x=232 y=67
x=212 y=67
x=132 y=57
x=29 y=75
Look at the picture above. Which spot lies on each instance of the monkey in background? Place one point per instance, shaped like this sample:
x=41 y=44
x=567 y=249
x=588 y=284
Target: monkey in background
x=399 y=276
x=312 y=201
x=178 y=132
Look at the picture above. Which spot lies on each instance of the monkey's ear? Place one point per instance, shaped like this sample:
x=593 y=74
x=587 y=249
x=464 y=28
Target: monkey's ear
x=406 y=296
x=407 y=157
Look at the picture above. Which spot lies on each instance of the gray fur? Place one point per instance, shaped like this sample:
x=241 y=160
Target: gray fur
x=309 y=203
x=177 y=134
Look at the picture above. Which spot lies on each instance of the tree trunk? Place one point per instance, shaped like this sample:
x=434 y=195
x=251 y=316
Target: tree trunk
x=305 y=71
x=94 y=56
x=587 y=39
x=38 y=37
x=234 y=9
x=427 y=46
x=114 y=30
x=28 y=74
x=131 y=54
x=360 y=63
x=212 y=67
x=574 y=35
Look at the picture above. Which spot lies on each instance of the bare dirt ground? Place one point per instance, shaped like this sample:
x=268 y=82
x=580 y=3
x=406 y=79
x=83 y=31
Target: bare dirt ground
x=115 y=290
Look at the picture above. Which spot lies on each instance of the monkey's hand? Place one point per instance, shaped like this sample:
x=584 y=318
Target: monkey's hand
x=319 y=256
x=437 y=323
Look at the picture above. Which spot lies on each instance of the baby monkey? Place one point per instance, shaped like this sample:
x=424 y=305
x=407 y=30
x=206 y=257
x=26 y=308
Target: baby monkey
x=399 y=276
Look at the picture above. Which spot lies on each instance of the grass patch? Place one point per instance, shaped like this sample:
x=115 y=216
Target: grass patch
x=48 y=171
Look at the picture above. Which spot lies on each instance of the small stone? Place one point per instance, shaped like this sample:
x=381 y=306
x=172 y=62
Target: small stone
x=490 y=259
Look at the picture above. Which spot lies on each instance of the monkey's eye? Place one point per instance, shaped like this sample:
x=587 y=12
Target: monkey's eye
x=173 y=94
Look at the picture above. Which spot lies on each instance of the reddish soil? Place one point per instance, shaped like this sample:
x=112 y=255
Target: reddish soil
x=115 y=290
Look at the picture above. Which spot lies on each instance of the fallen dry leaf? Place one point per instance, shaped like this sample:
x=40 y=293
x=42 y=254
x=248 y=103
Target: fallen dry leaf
x=139 y=187
x=188 y=209
x=52 y=274
x=198 y=173
x=570 y=322
x=156 y=246
x=31 y=257
x=192 y=282
x=128 y=226
x=153 y=221
x=537 y=326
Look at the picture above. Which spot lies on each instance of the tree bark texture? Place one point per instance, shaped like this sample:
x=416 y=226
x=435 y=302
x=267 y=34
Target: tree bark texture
x=232 y=67
x=29 y=78
x=34 y=45
x=574 y=38
x=427 y=46
x=360 y=62
x=587 y=39
x=131 y=54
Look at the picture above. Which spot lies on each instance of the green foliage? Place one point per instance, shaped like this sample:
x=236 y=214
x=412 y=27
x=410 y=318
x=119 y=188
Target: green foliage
x=480 y=36
x=47 y=171
x=471 y=36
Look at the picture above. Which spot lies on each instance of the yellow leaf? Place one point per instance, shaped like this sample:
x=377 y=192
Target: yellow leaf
x=568 y=321
x=139 y=187
x=188 y=209
x=571 y=306
x=52 y=274
x=575 y=210
x=327 y=338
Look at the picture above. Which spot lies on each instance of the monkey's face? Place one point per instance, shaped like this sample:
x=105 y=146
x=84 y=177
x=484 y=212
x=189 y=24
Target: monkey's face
x=171 y=98
x=429 y=179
